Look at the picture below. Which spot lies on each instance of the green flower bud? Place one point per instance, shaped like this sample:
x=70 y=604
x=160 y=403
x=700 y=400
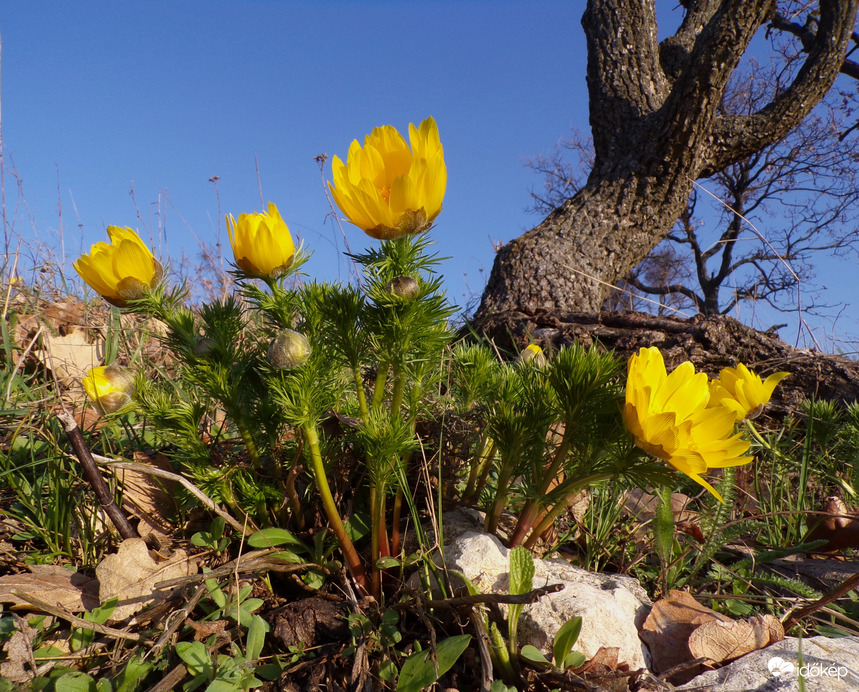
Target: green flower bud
x=204 y=346
x=404 y=287
x=288 y=350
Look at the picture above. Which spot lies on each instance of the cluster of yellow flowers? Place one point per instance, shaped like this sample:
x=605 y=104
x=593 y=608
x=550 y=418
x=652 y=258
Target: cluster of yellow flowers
x=384 y=188
x=687 y=420
x=389 y=190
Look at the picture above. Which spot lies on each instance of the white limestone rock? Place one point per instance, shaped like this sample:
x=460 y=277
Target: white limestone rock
x=828 y=665
x=611 y=607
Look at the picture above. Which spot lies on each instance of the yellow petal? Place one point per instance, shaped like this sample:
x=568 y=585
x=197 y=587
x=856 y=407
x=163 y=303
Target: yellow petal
x=388 y=189
x=262 y=244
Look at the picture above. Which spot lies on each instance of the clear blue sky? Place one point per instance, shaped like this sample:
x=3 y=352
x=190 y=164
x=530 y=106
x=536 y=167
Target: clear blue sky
x=100 y=96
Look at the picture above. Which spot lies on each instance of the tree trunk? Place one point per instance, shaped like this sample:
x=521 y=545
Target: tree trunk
x=592 y=238
x=657 y=127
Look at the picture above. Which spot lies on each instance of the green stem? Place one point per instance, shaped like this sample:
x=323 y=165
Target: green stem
x=569 y=488
x=500 y=502
x=760 y=438
x=229 y=499
x=484 y=473
x=663 y=534
x=380 y=545
x=378 y=537
x=558 y=459
x=397 y=393
x=251 y=446
x=527 y=517
x=359 y=387
x=531 y=510
x=379 y=388
x=353 y=562
x=483 y=456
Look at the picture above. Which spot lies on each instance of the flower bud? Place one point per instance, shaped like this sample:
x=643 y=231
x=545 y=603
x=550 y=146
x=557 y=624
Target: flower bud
x=203 y=346
x=532 y=352
x=288 y=350
x=742 y=391
x=121 y=270
x=110 y=387
x=262 y=244
x=404 y=287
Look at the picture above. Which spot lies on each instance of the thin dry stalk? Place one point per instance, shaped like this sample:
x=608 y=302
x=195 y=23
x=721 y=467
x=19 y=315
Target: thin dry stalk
x=95 y=479
x=188 y=485
x=80 y=623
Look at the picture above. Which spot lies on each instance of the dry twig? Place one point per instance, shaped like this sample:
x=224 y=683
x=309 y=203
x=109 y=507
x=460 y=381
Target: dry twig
x=74 y=619
x=836 y=593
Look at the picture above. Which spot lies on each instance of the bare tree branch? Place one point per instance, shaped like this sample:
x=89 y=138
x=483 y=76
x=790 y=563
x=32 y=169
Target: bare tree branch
x=807 y=37
x=738 y=136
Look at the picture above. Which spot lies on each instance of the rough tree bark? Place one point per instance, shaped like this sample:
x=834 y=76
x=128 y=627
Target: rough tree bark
x=657 y=127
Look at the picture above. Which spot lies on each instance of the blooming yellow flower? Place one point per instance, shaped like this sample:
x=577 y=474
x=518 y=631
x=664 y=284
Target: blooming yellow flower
x=110 y=387
x=122 y=270
x=668 y=416
x=388 y=190
x=261 y=243
x=742 y=391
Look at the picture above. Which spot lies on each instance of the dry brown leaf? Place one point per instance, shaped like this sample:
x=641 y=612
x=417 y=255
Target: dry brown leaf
x=71 y=591
x=150 y=498
x=667 y=628
x=131 y=574
x=840 y=528
x=204 y=630
x=70 y=356
x=18 y=656
x=725 y=641
x=603 y=661
x=643 y=505
x=63 y=315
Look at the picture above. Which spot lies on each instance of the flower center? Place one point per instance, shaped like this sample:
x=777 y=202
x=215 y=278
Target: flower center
x=385 y=191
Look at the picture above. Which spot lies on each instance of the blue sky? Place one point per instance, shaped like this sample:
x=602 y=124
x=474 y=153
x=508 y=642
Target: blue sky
x=102 y=97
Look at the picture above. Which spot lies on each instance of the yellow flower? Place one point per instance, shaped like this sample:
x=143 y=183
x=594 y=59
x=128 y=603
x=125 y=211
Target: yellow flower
x=742 y=391
x=388 y=190
x=668 y=416
x=110 y=387
x=261 y=242
x=122 y=270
